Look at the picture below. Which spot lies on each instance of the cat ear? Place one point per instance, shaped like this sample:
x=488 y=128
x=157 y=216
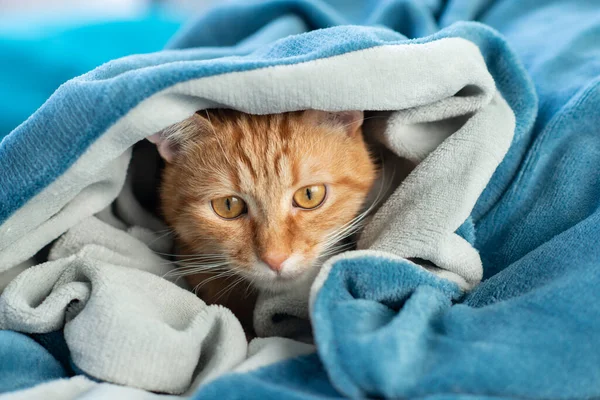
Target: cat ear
x=351 y=121
x=171 y=140
x=165 y=147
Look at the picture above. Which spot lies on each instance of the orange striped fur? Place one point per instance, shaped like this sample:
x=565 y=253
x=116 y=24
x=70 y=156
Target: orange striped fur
x=263 y=160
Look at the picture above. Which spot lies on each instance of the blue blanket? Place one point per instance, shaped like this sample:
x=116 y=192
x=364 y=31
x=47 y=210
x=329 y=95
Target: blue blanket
x=383 y=326
x=35 y=65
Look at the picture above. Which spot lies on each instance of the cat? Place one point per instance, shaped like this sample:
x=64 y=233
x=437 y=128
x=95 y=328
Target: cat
x=261 y=200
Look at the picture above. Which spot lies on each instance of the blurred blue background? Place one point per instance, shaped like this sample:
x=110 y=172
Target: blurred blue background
x=44 y=43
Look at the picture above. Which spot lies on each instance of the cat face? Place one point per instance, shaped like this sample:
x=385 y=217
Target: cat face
x=267 y=197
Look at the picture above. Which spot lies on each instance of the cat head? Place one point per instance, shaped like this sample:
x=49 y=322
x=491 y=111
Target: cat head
x=266 y=196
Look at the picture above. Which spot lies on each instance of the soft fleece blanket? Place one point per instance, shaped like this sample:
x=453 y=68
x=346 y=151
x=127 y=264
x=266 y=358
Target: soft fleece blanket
x=503 y=206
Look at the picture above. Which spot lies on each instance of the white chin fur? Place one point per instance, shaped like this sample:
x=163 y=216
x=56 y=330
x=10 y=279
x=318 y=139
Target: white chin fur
x=291 y=276
x=296 y=272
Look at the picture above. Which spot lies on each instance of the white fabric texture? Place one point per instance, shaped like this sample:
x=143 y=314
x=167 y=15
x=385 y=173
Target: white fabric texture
x=61 y=389
x=265 y=351
x=122 y=323
x=81 y=388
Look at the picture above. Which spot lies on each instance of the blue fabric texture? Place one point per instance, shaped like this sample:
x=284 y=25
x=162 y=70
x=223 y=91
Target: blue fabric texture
x=383 y=327
x=25 y=363
x=56 y=345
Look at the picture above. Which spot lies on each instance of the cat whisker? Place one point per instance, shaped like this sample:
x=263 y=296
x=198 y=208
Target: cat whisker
x=212 y=278
x=349 y=224
x=217 y=255
x=192 y=263
x=341 y=232
x=197 y=263
x=354 y=225
x=183 y=264
x=250 y=288
x=184 y=274
x=229 y=288
x=199 y=259
x=220 y=274
x=193 y=260
x=197 y=268
x=346 y=231
x=188 y=255
x=366 y=119
x=180 y=274
x=336 y=250
x=168 y=232
x=164 y=232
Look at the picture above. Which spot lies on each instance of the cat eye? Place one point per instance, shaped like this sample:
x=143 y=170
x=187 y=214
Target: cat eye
x=310 y=197
x=229 y=207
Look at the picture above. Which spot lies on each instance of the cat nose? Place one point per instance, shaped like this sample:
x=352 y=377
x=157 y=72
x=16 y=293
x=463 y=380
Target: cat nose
x=275 y=260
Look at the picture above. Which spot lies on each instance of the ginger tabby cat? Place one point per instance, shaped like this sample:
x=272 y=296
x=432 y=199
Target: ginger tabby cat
x=262 y=200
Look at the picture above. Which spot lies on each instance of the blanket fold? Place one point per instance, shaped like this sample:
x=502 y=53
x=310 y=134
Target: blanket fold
x=101 y=295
